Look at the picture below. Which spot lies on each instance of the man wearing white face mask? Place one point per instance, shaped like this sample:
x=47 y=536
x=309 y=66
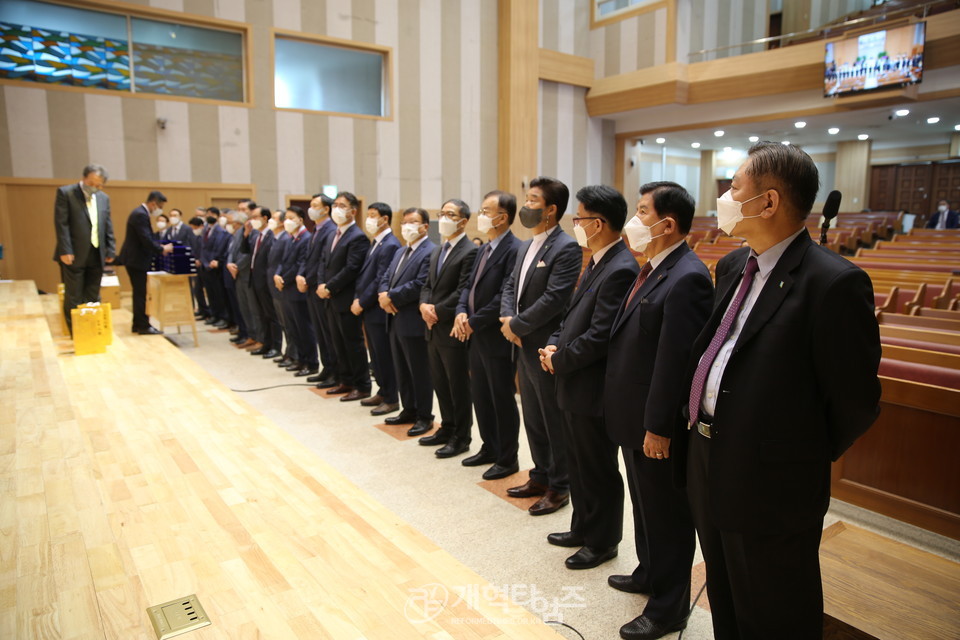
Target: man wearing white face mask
x=324 y=227
x=657 y=321
x=944 y=217
x=139 y=249
x=576 y=354
x=771 y=403
x=450 y=266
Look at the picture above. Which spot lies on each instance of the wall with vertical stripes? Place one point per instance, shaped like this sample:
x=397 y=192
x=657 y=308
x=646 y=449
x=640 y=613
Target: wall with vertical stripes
x=441 y=143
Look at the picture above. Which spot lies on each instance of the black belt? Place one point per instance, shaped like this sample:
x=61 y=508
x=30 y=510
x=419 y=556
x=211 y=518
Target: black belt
x=705 y=427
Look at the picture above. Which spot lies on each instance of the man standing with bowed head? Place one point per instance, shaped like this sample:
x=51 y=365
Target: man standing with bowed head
x=85 y=242
x=535 y=297
x=577 y=355
x=656 y=324
x=137 y=253
x=784 y=379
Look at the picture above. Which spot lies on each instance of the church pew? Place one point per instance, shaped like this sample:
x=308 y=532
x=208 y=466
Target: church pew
x=920 y=322
x=920 y=353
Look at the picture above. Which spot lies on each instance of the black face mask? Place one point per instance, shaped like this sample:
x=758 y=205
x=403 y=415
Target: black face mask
x=211 y=219
x=530 y=217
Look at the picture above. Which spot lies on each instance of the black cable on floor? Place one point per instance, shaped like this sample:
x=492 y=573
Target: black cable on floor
x=276 y=386
x=693 y=606
x=567 y=626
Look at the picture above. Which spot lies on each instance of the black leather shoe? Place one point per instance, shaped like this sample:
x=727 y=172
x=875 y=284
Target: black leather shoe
x=643 y=628
x=284 y=362
x=237 y=339
x=149 y=331
x=304 y=372
x=270 y=354
x=314 y=378
x=440 y=437
x=528 y=489
x=222 y=324
x=384 y=408
x=278 y=360
x=328 y=383
x=588 y=558
x=210 y=321
x=565 y=539
x=259 y=352
x=419 y=428
x=403 y=418
x=481 y=457
x=453 y=448
x=625 y=584
x=293 y=367
x=498 y=471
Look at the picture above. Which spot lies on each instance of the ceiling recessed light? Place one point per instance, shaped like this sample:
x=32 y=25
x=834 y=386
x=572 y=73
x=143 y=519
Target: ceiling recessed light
x=956 y=127
x=862 y=136
x=661 y=140
x=728 y=149
x=900 y=113
x=799 y=124
x=785 y=142
x=718 y=133
x=754 y=138
x=833 y=130
x=933 y=120
x=695 y=145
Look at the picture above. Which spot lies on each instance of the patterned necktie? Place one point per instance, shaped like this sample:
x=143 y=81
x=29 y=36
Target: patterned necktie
x=403 y=261
x=473 y=289
x=703 y=369
x=586 y=273
x=256 y=248
x=336 y=239
x=641 y=278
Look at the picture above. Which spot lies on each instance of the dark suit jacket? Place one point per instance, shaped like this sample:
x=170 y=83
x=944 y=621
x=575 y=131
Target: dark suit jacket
x=485 y=320
x=584 y=334
x=140 y=245
x=340 y=266
x=291 y=263
x=542 y=301
x=259 y=269
x=281 y=241
x=953 y=220
x=318 y=242
x=215 y=246
x=72 y=224
x=368 y=283
x=650 y=347
x=405 y=292
x=235 y=253
x=800 y=386
x=443 y=290
x=183 y=235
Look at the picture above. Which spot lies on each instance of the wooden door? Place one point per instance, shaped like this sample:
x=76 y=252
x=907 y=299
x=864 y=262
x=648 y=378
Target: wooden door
x=883 y=187
x=946 y=184
x=913 y=185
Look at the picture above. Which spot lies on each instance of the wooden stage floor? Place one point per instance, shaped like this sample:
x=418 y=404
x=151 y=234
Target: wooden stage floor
x=132 y=478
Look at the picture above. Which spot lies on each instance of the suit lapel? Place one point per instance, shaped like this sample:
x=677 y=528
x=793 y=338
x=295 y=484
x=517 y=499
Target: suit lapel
x=495 y=257
x=455 y=250
x=551 y=236
x=413 y=255
x=657 y=276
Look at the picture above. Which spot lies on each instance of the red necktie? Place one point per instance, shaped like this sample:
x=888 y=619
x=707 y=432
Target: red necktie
x=641 y=278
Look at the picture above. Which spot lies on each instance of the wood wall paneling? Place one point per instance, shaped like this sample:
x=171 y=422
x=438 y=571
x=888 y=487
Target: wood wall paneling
x=566 y=68
x=913 y=188
x=518 y=85
x=853 y=173
x=945 y=184
x=883 y=187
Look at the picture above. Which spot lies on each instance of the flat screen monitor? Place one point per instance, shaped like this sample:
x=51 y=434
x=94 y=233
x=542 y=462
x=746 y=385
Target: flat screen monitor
x=884 y=59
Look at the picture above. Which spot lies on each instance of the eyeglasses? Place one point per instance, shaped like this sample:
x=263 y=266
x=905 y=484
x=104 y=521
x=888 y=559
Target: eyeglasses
x=492 y=212
x=450 y=215
x=578 y=220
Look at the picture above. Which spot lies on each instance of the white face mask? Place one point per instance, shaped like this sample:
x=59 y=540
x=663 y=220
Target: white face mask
x=448 y=227
x=290 y=226
x=410 y=231
x=230 y=228
x=256 y=223
x=314 y=213
x=161 y=225
x=158 y=212
x=638 y=234
x=485 y=224
x=339 y=216
x=197 y=232
x=373 y=226
x=729 y=213
x=942 y=208
x=174 y=220
x=581 y=235
x=222 y=221
x=272 y=224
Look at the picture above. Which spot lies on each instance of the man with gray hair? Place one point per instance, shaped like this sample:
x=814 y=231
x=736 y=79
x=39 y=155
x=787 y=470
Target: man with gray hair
x=85 y=241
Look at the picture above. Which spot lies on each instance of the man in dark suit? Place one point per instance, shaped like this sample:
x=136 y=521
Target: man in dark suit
x=214 y=242
x=231 y=270
x=178 y=230
x=197 y=225
x=535 y=297
x=85 y=242
x=944 y=217
x=399 y=297
x=258 y=241
x=324 y=227
x=492 y=367
x=337 y=277
x=577 y=355
x=784 y=380
x=294 y=300
x=650 y=343
x=450 y=267
x=367 y=307
x=137 y=254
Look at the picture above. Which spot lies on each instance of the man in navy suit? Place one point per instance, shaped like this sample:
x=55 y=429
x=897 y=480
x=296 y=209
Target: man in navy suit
x=450 y=267
x=139 y=249
x=367 y=307
x=294 y=300
x=323 y=228
x=337 y=278
x=214 y=243
x=784 y=381
x=944 y=217
x=281 y=242
x=178 y=230
x=258 y=240
x=577 y=355
x=535 y=297
x=656 y=325
x=399 y=297
x=492 y=367
x=85 y=242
